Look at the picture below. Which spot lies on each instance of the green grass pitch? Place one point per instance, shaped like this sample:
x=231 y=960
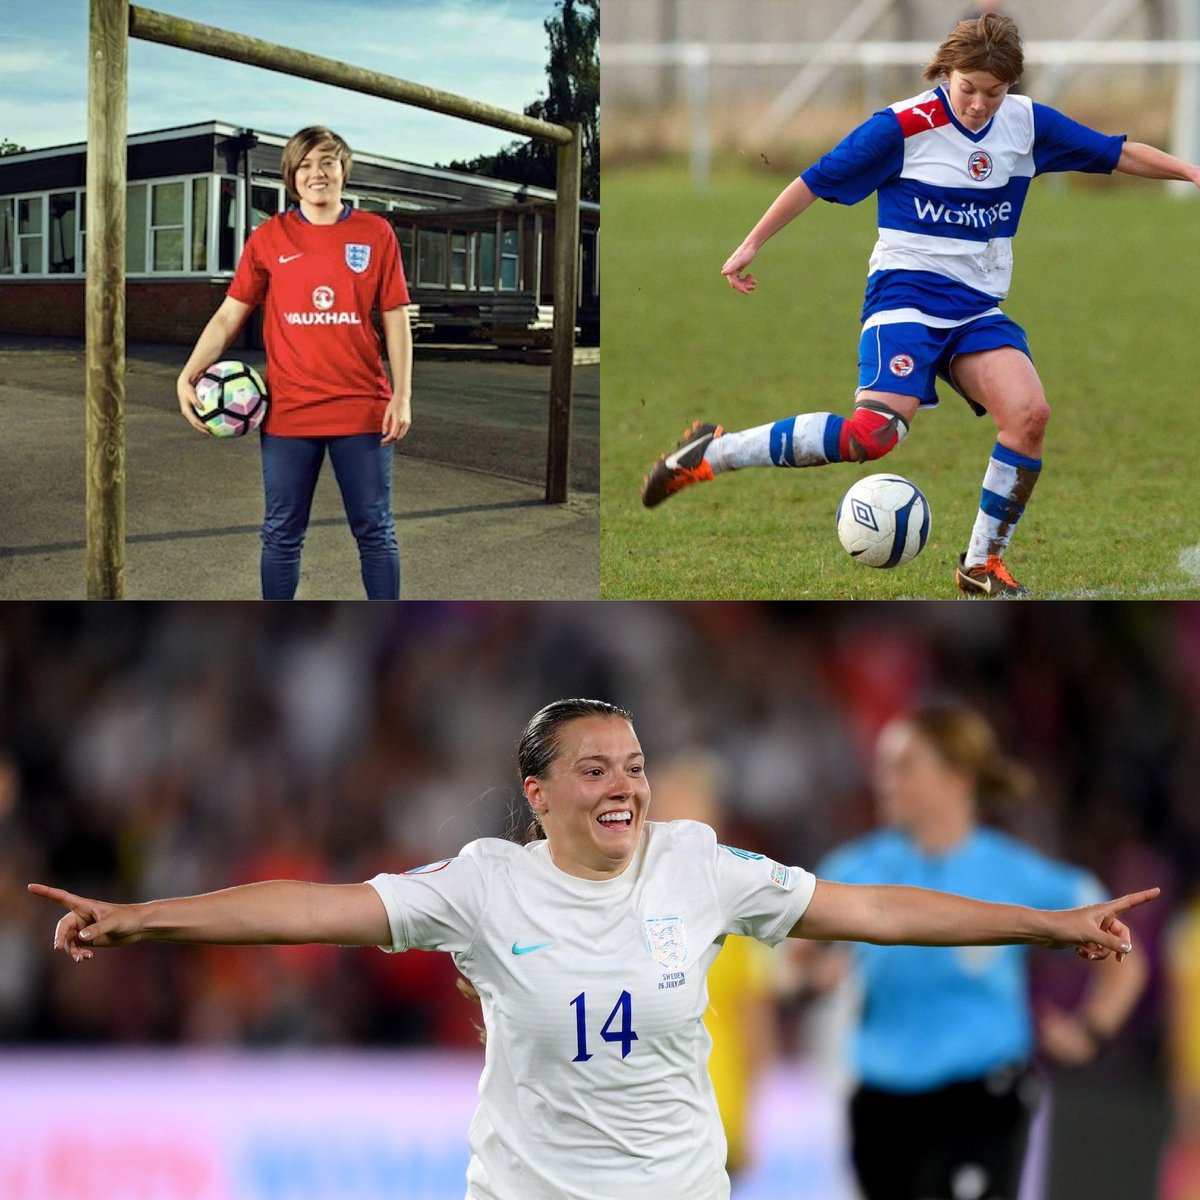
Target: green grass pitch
x=1105 y=285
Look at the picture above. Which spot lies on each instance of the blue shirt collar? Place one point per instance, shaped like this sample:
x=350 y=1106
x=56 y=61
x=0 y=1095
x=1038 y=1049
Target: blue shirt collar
x=346 y=211
x=976 y=135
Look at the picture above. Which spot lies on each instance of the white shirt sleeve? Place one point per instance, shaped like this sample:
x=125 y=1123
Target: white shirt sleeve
x=435 y=907
x=759 y=897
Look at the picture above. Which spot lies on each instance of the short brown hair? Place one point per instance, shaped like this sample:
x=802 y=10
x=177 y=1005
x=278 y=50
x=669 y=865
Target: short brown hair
x=989 y=43
x=301 y=144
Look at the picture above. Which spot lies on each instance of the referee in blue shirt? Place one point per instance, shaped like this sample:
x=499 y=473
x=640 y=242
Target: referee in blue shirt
x=945 y=1036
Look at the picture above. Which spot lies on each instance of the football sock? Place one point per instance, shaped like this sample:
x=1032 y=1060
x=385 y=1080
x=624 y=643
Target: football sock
x=793 y=442
x=1007 y=486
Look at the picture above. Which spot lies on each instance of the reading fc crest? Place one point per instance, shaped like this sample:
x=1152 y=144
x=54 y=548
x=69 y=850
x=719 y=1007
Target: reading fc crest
x=980 y=165
x=666 y=941
x=357 y=256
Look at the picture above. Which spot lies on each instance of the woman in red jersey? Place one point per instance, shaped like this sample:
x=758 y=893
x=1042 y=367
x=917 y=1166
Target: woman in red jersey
x=320 y=268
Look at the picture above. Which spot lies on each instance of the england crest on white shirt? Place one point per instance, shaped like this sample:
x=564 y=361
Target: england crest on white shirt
x=357 y=256
x=666 y=941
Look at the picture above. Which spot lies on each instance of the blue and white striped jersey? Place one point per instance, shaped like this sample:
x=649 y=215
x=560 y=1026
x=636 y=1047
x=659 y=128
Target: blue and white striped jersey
x=950 y=199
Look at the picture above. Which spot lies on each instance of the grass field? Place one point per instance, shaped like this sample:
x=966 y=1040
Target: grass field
x=1104 y=283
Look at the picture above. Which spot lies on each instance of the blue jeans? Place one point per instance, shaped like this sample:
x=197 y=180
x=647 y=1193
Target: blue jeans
x=363 y=468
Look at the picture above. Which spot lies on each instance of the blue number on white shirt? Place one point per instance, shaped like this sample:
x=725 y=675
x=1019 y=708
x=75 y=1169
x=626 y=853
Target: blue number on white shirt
x=581 y=1028
x=625 y=1035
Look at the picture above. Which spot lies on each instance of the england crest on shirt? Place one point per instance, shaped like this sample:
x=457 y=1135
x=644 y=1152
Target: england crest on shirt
x=666 y=941
x=357 y=256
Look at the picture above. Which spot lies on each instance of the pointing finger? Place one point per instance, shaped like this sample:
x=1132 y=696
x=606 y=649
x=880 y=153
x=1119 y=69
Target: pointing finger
x=67 y=899
x=1125 y=903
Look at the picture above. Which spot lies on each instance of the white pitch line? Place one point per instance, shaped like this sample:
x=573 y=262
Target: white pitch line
x=1189 y=564
x=1189 y=561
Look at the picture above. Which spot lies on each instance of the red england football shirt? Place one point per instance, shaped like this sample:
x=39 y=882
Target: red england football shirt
x=320 y=283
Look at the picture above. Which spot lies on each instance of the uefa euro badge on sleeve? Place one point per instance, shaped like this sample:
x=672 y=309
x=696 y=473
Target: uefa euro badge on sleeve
x=667 y=942
x=357 y=256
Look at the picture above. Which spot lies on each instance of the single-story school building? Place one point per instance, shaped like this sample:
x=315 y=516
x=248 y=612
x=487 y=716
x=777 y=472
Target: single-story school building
x=478 y=253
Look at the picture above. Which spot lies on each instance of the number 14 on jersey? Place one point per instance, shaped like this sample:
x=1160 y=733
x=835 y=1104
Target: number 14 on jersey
x=625 y=1034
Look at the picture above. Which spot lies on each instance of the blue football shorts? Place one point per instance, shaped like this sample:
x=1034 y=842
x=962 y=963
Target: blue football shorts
x=907 y=358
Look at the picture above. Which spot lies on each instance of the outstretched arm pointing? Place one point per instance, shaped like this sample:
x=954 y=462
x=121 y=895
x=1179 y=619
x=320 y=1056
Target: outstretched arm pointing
x=891 y=916
x=279 y=912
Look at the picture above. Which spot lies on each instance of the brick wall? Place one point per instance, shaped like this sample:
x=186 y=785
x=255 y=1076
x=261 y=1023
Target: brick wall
x=155 y=310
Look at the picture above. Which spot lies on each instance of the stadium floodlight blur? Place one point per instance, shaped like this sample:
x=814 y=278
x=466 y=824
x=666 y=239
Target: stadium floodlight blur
x=1060 y=60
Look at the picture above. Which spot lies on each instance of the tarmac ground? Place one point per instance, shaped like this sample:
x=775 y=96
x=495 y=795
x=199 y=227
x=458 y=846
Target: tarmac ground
x=468 y=487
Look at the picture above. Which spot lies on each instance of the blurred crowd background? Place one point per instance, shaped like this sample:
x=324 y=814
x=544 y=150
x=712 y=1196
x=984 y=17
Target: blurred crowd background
x=676 y=68
x=169 y=749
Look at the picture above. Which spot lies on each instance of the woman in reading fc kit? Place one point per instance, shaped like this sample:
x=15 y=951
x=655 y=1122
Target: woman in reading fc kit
x=589 y=951
x=950 y=168
x=321 y=267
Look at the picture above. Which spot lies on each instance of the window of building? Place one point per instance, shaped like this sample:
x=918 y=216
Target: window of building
x=510 y=262
x=485 y=261
x=458 y=260
x=265 y=201
x=200 y=189
x=31 y=234
x=227 y=225
x=135 y=228
x=7 y=238
x=63 y=230
x=405 y=235
x=431 y=258
x=375 y=204
x=166 y=226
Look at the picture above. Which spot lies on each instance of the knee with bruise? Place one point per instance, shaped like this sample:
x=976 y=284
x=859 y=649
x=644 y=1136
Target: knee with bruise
x=871 y=432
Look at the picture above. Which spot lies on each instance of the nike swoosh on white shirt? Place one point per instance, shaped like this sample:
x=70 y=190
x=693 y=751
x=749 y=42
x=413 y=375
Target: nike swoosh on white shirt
x=290 y=257
x=672 y=460
x=517 y=948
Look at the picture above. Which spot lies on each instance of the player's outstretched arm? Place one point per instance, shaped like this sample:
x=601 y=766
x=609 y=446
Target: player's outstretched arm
x=787 y=206
x=890 y=916
x=276 y=912
x=1151 y=163
x=221 y=329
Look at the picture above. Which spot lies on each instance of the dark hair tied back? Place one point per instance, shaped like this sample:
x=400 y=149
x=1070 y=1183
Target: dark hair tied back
x=539 y=743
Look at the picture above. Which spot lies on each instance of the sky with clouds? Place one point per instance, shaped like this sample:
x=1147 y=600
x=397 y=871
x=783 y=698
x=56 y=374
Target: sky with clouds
x=489 y=50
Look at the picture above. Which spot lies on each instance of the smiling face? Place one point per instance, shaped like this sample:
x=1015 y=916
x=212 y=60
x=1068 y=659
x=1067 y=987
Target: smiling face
x=320 y=177
x=975 y=96
x=592 y=802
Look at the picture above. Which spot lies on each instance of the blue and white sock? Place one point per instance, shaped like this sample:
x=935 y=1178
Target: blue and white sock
x=793 y=442
x=1007 y=486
